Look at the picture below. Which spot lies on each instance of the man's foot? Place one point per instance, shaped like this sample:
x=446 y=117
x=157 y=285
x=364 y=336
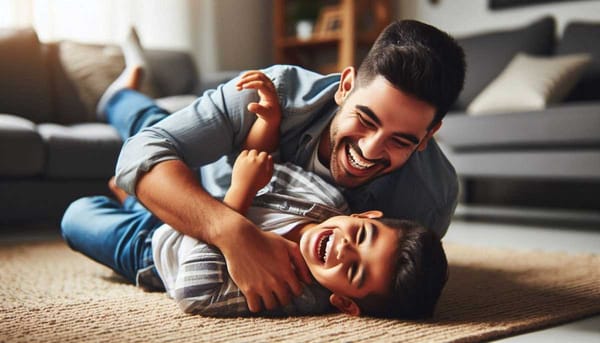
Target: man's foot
x=118 y=192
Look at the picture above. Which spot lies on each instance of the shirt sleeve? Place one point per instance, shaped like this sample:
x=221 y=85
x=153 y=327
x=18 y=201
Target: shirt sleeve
x=214 y=125
x=204 y=287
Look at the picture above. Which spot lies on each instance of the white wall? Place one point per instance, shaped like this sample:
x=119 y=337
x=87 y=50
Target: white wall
x=463 y=17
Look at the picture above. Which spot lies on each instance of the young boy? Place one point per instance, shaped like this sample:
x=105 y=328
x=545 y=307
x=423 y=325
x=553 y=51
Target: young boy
x=361 y=263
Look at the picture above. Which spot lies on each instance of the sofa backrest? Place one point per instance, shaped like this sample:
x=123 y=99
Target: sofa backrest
x=68 y=107
x=583 y=37
x=24 y=80
x=487 y=54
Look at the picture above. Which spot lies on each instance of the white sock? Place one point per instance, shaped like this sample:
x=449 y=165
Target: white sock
x=134 y=57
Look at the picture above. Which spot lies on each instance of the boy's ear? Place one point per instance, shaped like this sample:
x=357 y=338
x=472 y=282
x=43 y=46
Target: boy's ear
x=423 y=145
x=368 y=214
x=347 y=80
x=344 y=304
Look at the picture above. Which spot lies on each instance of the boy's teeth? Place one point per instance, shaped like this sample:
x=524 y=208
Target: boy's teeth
x=356 y=160
x=324 y=247
x=328 y=247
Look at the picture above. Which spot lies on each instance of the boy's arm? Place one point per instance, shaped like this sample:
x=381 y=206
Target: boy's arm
x=252 y=171
x=264 y=133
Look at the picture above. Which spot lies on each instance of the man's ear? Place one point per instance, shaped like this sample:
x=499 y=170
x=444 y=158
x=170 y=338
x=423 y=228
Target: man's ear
x=344 y=304
x=423 y=145
x=347 y=80
x=368 y=214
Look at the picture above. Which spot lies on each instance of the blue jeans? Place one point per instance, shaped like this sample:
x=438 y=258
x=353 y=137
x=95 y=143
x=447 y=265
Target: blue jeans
x=118 y=235
x=129 y=111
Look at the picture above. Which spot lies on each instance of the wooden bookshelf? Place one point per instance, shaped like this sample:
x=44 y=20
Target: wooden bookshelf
x=360 y=22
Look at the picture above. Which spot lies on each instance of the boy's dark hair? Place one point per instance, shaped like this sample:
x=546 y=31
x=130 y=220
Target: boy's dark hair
x=420 y=271
x=420 y=60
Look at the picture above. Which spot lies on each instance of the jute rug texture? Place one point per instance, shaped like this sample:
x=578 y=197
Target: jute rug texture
x=51 y=294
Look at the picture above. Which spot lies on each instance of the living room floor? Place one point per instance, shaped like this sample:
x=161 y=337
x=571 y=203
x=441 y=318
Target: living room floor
x=558 y=231
x=550 y=231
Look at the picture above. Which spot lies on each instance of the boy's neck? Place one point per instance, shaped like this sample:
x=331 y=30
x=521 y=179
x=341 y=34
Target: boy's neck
x=296 y=233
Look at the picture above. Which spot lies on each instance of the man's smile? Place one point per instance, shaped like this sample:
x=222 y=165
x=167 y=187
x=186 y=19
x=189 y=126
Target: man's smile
x=359 y=166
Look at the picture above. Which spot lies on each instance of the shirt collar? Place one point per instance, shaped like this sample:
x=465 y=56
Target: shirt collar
x=310 y=138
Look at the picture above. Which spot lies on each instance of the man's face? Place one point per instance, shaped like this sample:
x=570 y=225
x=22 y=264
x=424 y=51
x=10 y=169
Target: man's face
x=351 y=255
x=375 y=131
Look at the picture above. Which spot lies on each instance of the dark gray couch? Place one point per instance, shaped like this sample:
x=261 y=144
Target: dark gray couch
x=51 y=150
x=558 y=144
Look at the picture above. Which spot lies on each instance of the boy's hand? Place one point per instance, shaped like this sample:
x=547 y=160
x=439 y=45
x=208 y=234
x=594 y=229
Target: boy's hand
x=267 y=108
x=252 y=171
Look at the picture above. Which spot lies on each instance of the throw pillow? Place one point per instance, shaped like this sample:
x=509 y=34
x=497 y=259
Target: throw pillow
x=92 y=68
x=24 y=81
x=530 y=83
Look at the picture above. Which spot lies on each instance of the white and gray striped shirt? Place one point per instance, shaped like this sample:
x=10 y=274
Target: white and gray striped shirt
x=195 y=273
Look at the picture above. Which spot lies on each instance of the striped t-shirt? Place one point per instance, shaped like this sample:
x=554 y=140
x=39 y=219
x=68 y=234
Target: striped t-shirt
x=195 y=273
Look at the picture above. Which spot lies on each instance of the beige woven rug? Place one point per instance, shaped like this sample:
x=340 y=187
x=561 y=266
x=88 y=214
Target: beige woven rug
x=51 y=294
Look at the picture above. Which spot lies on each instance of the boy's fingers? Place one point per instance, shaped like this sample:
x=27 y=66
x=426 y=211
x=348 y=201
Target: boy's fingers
x=257 y=108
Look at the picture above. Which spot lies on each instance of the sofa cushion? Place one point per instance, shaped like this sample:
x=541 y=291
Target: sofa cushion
x=530 y=83
x=562 y=126
x=82 y=151
x=24 y=86
x=22 y=150
x=487 y=54
x=176 y=102
x=581 y=37
x=92 y=68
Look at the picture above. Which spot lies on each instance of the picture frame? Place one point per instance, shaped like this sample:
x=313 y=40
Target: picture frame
x=329 y=21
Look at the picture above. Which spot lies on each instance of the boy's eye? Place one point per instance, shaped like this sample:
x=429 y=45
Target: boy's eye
x=351 y=272
x=361 y=235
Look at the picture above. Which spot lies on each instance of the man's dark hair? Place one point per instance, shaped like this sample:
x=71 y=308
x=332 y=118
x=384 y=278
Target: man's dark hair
x=420 y=60
x=420 y=271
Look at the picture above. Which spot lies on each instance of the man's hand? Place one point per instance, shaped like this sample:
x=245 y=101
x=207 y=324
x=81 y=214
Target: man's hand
x=265 y=267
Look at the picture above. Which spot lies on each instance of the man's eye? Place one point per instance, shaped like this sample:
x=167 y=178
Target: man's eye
x=401 y=144
x=365 y=122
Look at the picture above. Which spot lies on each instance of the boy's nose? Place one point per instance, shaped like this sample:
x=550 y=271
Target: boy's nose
x=343 y=248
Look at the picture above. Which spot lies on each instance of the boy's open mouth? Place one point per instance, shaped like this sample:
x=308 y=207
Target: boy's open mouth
x=323 y=246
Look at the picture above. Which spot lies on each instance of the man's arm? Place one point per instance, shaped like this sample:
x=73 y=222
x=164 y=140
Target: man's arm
x=152 y=166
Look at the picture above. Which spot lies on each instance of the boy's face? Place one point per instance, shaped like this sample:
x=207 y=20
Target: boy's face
x=375 y=131
x=351 y=256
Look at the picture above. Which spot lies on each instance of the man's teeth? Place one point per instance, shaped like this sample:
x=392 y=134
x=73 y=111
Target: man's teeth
x=356 y=160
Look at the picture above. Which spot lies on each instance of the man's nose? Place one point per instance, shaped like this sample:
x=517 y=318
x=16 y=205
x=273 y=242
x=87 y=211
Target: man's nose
x=371 y=146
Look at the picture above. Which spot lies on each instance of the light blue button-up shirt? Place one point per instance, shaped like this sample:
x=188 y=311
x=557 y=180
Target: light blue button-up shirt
x=209 y=134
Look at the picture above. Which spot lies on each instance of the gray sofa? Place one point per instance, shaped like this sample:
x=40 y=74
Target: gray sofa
x=52 y=150
x=556 y=147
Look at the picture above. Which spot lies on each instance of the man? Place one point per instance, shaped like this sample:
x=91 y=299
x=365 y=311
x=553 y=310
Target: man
x=369 y=132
